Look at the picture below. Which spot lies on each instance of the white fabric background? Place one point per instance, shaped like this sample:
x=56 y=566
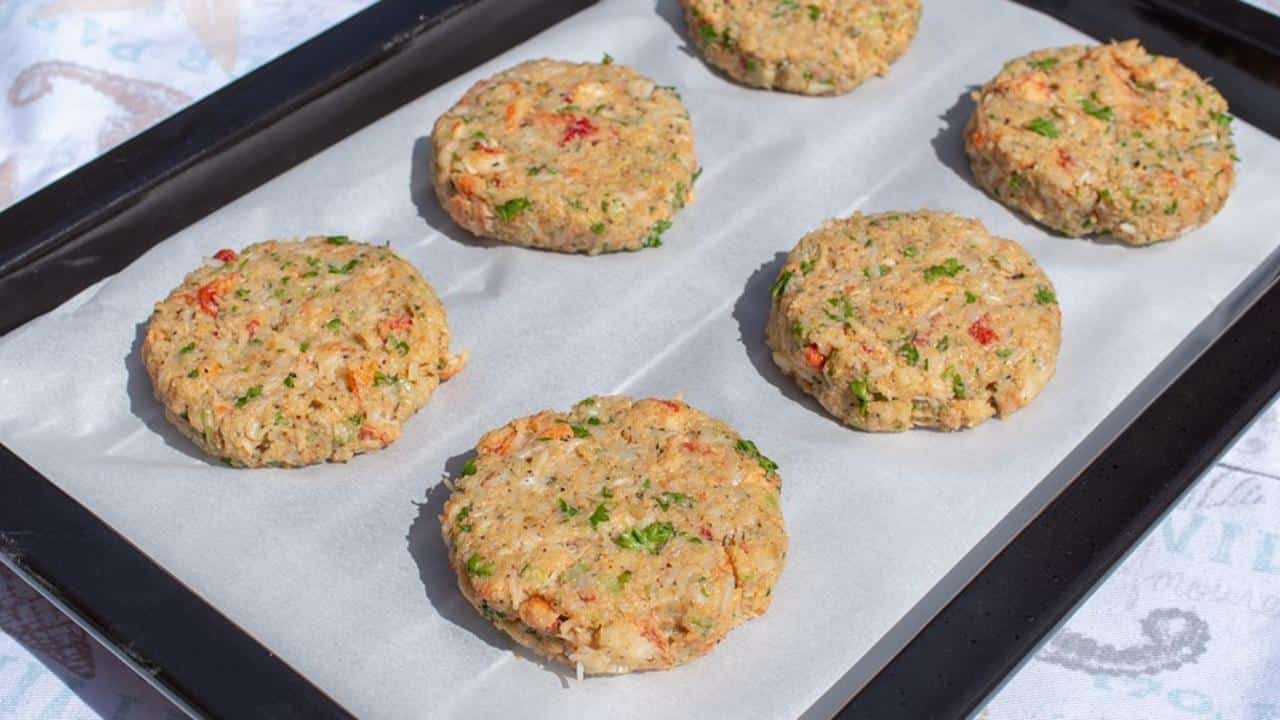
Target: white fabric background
x=80 y=75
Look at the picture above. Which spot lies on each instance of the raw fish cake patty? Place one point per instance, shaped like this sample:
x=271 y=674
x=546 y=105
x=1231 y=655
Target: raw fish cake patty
x=292 y=353
x=621 y=535
x=573 y=157
x=1103 y=140
x=913 y=319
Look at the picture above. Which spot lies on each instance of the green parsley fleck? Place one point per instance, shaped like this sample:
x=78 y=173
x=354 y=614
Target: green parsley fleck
x=1004 y=354
x=598 y=228
x=1016 y=182
x=1043 y=126
x=607 y=59
x=348 y=267
x=509 y=209
x=334 y=325
x=806 y=266
x=1091 y=107
x=1222 y=119
x=861 y=393
x=469 y=467
x=599 y=515
x=651 y=538
x=338 y=240
x=958 y=388
x=779 y=286
x=460 y=519
x=579 y=431
x=1045 y=296
x=970 y=298
x=566 y=509
x=667 y=499
x=288 y=380
x=381 y=379
x=187 y=348
x=654 y=239
x=748 y=448
x=950 y=268
x=478 y=567
x=1045 y=64
x=251 y=393
x=815 y=12
x=195 y=373
x=944 y=343
x=909 y=352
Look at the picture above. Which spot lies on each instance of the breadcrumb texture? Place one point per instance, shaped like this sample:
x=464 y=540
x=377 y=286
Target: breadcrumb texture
x=1103 y=140
x=299 y=352
x=899 y=320
x=622 y=535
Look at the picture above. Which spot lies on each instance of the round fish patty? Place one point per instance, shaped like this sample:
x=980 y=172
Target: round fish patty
x=812 y=48
x=914 y=319
x=622 y=535
x=292 y=353
x=1103 y=140
x=574 y=157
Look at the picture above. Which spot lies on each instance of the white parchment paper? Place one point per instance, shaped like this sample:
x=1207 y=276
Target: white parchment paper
x=339 y=568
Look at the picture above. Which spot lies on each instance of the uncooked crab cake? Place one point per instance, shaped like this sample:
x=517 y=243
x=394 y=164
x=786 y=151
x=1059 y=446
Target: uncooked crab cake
x=622 y=535
x=292 y=353
x=914 y=319
x=1106 y=140
x=574 y=157
x=825 y=47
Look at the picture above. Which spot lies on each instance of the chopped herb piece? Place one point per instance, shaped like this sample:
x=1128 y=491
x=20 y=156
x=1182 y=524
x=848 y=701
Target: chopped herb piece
x=667 y=499
x=1091 y=107
x=593 y=420
x=1004 y=353
x=785 y=6
x=970 y=298
x=588 y=402
x=490 y=612
x=251 y=393
x=748 y=448
x=1016 y=182
x=469 y=467
x=187 y=348
x=478 y=567
x=1043 y=126
x=910 y=251
x=607 y=59
x=599 y=515
x=654 y=238
x=1172 y=209
x=861 y=393
x=348 y=267
x=1222 y=119
x=606 y=492
x=623 y=578
x=597 y=228
x=579 y=431
x=338 y=240
x=310 y=273
x=1045 y=65
x=305 y=346
x=334 y=325
x=194 y=373
x=460 y=519
x=1045 y=296
x=806 y=266
x=779 y=286
x=651 y=538
x=401 y=346
x=709 y=34
x=1148 y=86
x=944 y=343
x=509 y=209
x=950 y=268
x=958 y=388
x=566 y=509
x=288 y=380
x=815 y=12
x=909 y=352
x=382 y=379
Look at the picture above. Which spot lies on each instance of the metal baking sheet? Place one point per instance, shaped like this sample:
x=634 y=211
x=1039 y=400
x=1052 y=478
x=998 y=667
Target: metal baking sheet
x=339 y=569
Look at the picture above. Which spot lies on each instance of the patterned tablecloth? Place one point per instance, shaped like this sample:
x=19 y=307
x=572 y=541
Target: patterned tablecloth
x=1187 y=627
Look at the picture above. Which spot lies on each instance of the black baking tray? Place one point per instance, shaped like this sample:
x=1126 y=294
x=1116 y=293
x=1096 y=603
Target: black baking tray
x=101 y=217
